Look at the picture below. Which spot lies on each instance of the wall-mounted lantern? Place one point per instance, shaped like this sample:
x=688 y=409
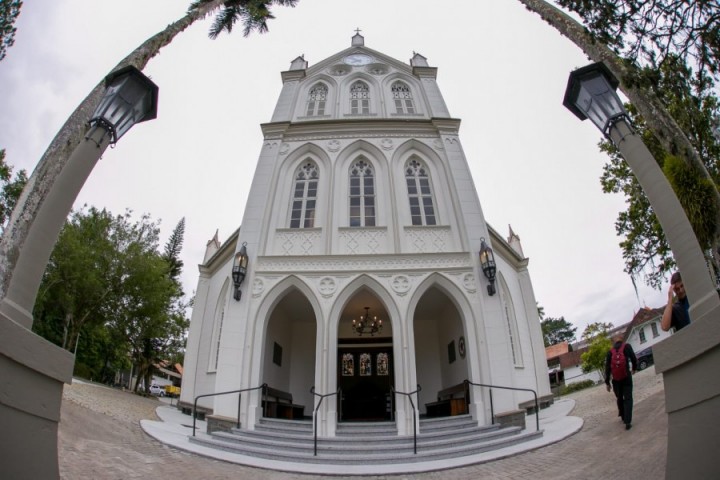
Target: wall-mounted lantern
x=239 y=270
x=487 y=262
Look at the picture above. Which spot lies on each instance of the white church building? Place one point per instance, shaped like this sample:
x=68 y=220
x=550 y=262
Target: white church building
x=362 y=205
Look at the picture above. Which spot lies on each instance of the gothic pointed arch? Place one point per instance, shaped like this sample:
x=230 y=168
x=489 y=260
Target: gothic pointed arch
x=403 y=99
x=286 y=336
x=510 y=322
x=218 y=322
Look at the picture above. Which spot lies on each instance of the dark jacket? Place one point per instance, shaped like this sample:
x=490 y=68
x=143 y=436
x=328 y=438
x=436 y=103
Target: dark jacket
x=629 y=355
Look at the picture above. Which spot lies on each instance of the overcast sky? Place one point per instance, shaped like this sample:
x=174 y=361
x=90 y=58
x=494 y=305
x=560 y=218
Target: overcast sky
x=501 y=69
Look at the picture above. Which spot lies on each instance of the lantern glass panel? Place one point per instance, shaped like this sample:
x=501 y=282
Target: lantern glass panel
x=598 y=101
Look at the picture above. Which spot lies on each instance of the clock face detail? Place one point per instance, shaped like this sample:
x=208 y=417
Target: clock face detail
x=357 y=59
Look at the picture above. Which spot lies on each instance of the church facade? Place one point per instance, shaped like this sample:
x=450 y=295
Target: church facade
x=362 y=234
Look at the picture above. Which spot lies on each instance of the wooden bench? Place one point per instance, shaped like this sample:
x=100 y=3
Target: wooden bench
x=450 y=401
x=279 y=404
x=543 y=402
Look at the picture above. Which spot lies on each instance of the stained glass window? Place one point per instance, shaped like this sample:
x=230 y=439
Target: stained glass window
x=382 y=364
x=348 y=365
x=365 y=365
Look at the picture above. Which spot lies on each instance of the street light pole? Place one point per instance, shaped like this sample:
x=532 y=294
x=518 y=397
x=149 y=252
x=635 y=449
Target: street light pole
x=32 y=369
x=689 y=359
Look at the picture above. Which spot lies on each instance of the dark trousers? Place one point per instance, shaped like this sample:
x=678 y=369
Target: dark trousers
x=623 y=393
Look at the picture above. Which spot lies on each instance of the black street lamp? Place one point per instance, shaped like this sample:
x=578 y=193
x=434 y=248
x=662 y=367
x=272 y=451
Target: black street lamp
x=487 y=262
x=130 y=98
x=239 y=270
x=689 y=357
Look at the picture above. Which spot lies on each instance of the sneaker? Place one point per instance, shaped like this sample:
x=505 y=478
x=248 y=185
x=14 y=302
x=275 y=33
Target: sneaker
x=628 y=426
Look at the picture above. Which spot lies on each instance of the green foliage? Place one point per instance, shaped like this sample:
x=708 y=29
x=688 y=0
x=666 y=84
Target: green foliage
x=9 y=11
x=574 y=387
x=252 y=14
x=652 y=31
x=598 y=347
x=108 y=291
x=173 y=247
x=557 y=330
x=10 y=189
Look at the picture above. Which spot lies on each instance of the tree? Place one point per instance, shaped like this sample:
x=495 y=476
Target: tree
x=253 y=14
x=690 y=100
x=557 y=330
x=173 y=248
x=654 y=31
x=107 y=289
x=598 y=345
x=659 y=121
x=9 y=11
x=10 y=188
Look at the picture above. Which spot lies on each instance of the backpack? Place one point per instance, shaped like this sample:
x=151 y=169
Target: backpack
x=618 y=363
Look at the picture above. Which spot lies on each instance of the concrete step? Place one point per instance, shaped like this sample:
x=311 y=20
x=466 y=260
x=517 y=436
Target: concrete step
x=357 y=443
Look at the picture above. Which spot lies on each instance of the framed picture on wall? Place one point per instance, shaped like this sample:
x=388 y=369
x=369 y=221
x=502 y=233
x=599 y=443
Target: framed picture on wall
x=451 y=352
x=277 y=354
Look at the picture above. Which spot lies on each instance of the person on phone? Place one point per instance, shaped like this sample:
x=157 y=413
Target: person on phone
x=676 y=314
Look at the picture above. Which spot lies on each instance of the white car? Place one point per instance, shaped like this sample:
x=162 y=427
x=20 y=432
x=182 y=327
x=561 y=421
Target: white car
x=157 y=390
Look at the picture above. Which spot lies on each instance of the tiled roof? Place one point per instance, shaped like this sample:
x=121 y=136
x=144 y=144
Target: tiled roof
x=556 y=350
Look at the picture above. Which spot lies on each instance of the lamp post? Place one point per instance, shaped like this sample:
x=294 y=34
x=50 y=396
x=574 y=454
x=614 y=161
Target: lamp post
x=688 y=359
x=32 y=368
x=487 y=262
x=239 y=270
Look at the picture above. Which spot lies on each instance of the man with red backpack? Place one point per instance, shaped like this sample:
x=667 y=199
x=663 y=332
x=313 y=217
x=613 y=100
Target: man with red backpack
x=618 y=369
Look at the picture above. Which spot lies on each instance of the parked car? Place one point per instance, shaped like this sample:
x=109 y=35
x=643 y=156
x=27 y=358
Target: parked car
x=157 y=390
x=645 y=358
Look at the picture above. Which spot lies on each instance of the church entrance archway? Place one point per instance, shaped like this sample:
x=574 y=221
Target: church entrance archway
x=289 y=350
x=365 y=362
x=440 y=352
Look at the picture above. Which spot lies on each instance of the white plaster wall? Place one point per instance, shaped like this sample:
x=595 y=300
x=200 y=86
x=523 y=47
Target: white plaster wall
x=428 y=358
x=575 y=374
x=302 y=363
x=278 y=331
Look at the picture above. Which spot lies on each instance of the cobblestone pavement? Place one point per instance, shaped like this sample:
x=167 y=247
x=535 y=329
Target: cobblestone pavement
x=100 y=438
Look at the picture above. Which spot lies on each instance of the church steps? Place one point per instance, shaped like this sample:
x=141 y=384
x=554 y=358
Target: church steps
x=347 y=456
x=357 y=443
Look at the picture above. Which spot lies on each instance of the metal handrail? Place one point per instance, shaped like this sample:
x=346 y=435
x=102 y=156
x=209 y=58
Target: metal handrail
x=264 y=385
x=317 y=407
x=492 y=412
x=415 y=419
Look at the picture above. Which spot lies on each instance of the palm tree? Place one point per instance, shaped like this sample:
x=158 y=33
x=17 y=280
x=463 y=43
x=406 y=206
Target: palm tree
x=253 y=15
x=672 y=138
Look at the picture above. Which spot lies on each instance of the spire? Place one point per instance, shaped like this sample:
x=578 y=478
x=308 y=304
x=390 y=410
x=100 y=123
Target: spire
x=514 y=241
x=357 y=39
x=213 y=245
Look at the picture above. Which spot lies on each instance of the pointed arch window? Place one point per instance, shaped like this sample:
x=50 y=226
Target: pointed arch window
x=316 y=100
x=403 y=98
x=362 y=194
x=511 y=323
x=422 y=205
x=359 y=98
x=304 y=196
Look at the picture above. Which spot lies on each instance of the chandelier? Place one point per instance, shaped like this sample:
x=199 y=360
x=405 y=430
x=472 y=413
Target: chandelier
x=367 y=324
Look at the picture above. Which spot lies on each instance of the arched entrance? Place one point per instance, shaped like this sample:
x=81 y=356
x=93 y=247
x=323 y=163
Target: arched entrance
x=289 y=349
x=440 y=350
x=365 y=372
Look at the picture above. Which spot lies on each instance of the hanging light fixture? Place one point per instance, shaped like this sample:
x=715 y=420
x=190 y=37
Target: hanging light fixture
x=239 y=270
x=487 y=262
x=367 y=324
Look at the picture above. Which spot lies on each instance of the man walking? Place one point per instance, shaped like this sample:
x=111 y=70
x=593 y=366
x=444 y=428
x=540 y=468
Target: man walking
x=617 y=369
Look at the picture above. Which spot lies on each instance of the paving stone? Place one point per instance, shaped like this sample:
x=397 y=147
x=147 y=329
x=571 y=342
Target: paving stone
x=100 y=438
